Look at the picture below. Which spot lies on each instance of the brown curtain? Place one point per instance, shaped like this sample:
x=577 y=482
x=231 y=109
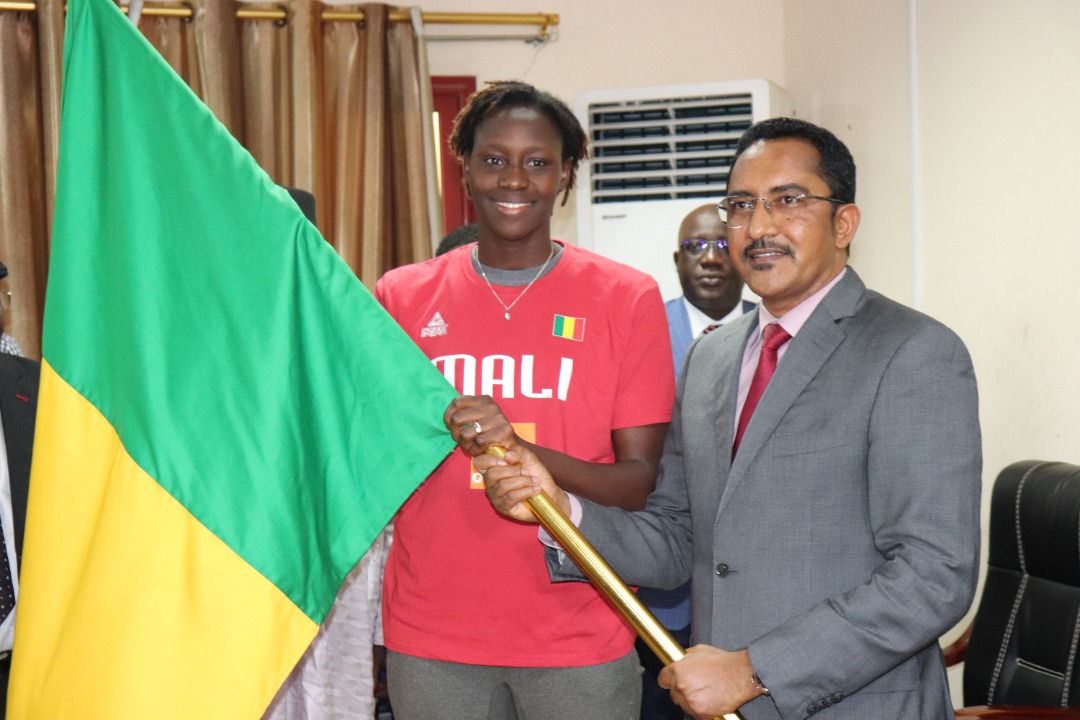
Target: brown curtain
x=335 y=108
x=31 y=54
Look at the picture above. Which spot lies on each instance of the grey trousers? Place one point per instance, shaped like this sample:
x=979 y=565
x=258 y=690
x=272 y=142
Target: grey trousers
x=422 y=689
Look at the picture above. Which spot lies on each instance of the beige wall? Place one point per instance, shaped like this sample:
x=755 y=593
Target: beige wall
x=613 y=43
x=963 y=120
x=1000 y=157
x=846 y=64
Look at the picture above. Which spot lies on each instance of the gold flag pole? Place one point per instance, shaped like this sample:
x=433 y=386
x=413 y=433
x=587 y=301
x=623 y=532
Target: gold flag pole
x=605 y=578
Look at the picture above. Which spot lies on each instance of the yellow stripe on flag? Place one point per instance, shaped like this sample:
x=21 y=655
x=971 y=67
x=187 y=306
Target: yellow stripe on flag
x=126 y=598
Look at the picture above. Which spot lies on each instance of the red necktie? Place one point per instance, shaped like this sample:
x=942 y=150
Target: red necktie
x=774 y=336
x=710 y=328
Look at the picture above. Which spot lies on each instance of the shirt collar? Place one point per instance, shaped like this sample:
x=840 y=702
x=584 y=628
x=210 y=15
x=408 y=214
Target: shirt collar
x=699 y=320
x=796 y=317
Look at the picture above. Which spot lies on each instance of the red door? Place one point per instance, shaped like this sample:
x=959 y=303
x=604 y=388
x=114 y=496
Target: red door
x=450 y=94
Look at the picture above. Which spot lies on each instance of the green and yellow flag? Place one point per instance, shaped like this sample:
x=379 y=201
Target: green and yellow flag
x=226 y=417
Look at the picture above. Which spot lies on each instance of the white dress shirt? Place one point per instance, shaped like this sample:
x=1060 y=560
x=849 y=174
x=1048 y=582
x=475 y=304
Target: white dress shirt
x=7 y=627
x=699 y=320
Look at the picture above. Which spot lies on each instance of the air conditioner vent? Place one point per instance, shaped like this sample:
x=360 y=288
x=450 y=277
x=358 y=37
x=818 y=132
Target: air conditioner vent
x=701 y=133
x=717 y=148
x=631 y=116
x=633 y=166
x=700 y=162
x=635 y=149
x=634 y=182
x=655 y=154
x=712 y=111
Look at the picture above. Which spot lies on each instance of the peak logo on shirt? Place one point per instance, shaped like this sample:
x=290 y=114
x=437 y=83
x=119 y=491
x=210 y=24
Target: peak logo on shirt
x=571 y=328
x=436 y=326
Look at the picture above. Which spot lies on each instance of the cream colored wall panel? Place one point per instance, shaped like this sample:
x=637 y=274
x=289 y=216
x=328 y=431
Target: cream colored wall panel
x=846 y=64
x=613 y=43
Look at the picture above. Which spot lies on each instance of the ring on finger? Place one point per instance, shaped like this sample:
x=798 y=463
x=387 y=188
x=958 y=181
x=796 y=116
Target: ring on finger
x=477 y=428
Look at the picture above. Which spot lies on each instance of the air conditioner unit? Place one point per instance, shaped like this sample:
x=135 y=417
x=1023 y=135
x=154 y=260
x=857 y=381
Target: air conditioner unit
x=656 y=153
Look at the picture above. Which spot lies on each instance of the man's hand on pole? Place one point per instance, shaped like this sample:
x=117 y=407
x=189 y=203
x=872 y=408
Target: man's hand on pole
x=708 y=682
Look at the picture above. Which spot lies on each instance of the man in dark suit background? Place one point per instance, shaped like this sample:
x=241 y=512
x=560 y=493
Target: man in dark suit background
x=712 y=290
x=18 y=405
x=821 y=476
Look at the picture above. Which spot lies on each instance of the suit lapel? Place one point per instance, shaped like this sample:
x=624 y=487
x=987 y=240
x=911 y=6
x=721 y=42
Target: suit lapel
x=809 y=350
x=729 y=343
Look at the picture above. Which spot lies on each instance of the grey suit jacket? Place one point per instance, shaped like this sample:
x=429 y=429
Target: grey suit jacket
x=844 y=538
x=679 y=328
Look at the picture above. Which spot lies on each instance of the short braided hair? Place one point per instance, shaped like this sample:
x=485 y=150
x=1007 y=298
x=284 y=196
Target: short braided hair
x=504 y=94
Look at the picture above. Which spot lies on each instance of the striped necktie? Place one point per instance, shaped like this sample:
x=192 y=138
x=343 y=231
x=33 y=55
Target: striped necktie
x=7 y=588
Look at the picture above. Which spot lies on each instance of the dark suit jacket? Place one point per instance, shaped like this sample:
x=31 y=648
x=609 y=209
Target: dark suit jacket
x=844 y=537
x=18 y=406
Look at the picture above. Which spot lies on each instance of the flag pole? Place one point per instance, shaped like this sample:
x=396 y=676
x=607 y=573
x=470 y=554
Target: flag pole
x=604 y=578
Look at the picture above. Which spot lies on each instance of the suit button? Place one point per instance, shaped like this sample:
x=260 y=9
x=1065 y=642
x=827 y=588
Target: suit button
x=722 y=570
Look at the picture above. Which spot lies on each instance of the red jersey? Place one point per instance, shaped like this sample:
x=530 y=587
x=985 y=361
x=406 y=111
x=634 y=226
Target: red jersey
x=586 y=351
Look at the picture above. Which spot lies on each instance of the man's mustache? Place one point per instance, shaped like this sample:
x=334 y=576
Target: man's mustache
x=764 y=244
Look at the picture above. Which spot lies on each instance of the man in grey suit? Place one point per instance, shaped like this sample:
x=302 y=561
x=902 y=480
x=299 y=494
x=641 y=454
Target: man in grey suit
x=832 y=531
x=712 y=296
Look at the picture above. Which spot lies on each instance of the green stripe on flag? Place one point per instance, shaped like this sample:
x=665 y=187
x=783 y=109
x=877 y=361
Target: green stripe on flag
x=571 y=328
x=242 y=363
x=560 y=324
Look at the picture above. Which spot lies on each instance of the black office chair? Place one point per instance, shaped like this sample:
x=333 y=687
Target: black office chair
x=1021 y=658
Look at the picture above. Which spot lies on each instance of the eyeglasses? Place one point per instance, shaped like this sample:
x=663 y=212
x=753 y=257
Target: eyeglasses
x=696 y=246
x=736 y=210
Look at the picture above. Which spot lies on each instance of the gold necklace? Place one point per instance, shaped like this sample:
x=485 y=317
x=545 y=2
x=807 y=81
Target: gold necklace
x=505 y=307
